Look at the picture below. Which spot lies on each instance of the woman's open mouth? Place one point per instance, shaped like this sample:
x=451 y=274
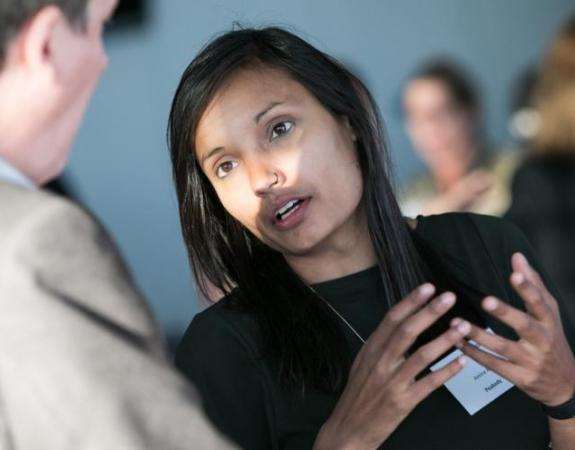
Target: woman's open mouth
x=291 y=213
x=288 y=209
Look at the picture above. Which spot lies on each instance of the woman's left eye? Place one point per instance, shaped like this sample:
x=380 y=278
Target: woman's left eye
x=281 y=129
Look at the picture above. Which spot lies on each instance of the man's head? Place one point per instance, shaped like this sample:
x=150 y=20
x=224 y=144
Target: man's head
x=14 y=14
x=50 y=60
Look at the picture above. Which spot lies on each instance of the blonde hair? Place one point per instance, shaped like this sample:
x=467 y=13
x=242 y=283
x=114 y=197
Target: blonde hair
x=555 y=94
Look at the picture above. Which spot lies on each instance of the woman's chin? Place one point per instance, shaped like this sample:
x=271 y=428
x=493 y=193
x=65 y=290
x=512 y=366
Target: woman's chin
x=296 y=247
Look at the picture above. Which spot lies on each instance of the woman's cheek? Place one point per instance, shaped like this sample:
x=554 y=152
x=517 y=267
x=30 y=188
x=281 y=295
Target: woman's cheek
x=240 y=205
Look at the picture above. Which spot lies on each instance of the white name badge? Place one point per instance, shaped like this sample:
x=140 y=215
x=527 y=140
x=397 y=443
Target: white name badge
x=474 y=386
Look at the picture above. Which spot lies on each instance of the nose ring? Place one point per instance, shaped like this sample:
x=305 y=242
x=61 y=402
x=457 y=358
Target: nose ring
x=275 y=181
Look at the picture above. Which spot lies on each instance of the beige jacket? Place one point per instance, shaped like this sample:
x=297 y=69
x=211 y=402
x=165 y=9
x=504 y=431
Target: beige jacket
x=82 y=365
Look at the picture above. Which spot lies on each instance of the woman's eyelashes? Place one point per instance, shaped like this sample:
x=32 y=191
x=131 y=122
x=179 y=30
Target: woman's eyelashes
x=281 y=129
x=224 y=168
x=277 y=131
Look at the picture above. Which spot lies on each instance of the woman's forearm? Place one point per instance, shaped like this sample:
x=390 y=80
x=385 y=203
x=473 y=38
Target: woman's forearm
x=562 y=434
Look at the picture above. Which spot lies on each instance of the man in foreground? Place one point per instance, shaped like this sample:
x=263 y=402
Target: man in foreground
x=82 y=364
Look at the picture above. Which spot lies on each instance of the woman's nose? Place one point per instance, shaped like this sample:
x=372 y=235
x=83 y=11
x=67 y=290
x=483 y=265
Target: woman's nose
x=264 y=179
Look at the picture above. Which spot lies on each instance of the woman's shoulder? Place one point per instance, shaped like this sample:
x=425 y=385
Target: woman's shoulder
x=475 y=240
x=218 y=355
x=478 y=249
x=219 y=330
x=456 y=226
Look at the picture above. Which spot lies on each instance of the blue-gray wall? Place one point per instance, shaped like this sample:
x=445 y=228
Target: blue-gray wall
x=120 y=167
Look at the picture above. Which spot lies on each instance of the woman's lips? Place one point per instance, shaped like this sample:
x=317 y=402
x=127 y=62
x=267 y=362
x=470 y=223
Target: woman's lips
x=291 y=213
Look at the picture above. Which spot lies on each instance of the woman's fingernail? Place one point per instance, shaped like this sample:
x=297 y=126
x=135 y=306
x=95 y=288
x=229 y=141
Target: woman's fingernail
x=426 y=289
x=456 y=321
x=447 y=299
x=523 y=259
x=464 y=327
x=517 y=278
x=490 y=303
x=462 y=360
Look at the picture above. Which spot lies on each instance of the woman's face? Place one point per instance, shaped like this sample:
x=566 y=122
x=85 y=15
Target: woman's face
x=280 y=163
x=438 y=129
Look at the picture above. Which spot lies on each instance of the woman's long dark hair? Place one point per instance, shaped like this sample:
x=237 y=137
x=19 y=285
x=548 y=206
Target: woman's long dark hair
x=297 y=330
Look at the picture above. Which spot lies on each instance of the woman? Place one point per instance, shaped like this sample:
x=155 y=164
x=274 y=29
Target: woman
x=327 y=327
x=443 y=122
x=543 y=202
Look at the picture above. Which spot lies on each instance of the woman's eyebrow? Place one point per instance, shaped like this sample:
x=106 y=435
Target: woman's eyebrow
x=263 y=112
x=209 y=154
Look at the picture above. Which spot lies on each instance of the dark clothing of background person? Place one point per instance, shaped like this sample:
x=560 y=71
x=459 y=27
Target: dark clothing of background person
x=543 y=207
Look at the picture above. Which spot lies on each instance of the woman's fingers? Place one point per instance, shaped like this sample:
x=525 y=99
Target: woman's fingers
x=396 y=315
x=428 y=353
x=532 y=296
x=501 y=366
x=525 y=325
x=510 y=350
x=429 y=383
x=521 y=265
x=409 y=330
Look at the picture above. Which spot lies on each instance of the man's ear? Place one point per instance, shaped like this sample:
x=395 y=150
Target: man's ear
x=35 y=44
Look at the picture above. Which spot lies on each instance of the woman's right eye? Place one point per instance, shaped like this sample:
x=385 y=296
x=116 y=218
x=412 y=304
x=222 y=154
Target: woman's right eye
x=225 y=168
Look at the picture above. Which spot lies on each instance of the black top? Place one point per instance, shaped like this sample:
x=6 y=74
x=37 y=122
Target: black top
x=241 y=395
x=543 y=207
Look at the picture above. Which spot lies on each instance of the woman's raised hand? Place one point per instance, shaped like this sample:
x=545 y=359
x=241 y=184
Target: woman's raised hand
x=382 y=389
x=540 y=363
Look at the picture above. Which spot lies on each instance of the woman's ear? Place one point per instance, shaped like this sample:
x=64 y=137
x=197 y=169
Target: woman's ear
x=349 y=128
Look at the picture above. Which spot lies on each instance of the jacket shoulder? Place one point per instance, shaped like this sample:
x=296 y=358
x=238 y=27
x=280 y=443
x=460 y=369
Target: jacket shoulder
x=58 y=249
x=23 y=208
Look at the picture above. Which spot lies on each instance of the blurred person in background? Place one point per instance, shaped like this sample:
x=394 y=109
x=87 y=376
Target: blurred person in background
x=523 y=121
x=543 y=189
x=82 y=364
x=443 y=122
